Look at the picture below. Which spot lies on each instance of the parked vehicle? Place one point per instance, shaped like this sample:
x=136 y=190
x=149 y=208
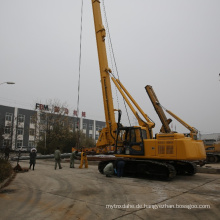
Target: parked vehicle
x=212 y=148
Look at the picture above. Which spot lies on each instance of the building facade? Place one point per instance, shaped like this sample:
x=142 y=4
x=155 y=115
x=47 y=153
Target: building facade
x=22 y=127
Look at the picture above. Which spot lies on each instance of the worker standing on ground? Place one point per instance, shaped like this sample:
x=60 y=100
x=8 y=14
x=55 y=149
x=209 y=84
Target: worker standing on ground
x=73 y=156
x=33 y=155
x=120 y=167
x=109 y=170
x=57 y=157
x=84 y=160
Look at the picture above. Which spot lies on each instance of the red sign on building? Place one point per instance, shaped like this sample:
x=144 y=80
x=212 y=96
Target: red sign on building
x=56 y=109
x=75 y=113
x=66 y=111
x=84 y=114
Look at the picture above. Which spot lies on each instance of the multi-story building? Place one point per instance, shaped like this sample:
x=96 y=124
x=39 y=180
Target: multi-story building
x=22 y=127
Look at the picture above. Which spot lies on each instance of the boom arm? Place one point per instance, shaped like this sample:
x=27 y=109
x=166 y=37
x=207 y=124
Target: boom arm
x=193 y=131
x=165 y=122
x=107 y=135
x=159 y=109
x=148 y=123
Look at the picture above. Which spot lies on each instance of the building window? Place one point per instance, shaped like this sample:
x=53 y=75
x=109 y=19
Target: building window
x=76 y=125
x=6 y=142
x=20 y=131
x=90 y=135
x=20 y=118
x=97 y=137
x=90 y=127
x=71 y=126
x=19 y=143
x=43 y=117
x=8 y=116
x=97 y=128
x=31 y=132
x=32 y=119
x=84 y=126
x=7 y=130
x=31 y=144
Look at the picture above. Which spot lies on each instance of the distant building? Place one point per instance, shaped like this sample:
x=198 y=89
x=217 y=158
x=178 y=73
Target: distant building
x=22 y=127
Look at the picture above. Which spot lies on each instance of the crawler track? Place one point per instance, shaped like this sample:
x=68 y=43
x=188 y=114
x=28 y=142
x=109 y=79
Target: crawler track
x=150 y=169
x=145 y=168
x=165 y=170
x=185 y=167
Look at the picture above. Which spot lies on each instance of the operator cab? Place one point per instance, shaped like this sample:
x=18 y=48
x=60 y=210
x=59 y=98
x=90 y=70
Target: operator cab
x=130 y=141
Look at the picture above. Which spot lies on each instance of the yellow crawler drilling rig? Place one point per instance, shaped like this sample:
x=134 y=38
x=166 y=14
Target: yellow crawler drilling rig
x=162 y=156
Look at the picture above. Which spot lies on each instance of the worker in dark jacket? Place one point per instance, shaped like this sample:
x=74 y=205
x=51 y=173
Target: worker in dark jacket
x=120 y=167
x=33 y=155
x=73 y=156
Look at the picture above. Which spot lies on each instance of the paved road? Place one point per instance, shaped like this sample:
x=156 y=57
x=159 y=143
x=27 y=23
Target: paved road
x=67 y=193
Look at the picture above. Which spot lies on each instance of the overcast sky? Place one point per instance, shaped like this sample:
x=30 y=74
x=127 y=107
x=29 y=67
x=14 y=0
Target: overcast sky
x=173 y=45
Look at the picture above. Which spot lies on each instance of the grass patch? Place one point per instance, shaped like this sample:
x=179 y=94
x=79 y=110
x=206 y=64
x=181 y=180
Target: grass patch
x=5 y=170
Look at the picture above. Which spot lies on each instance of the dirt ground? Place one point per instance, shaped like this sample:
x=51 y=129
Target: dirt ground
x=46 y=193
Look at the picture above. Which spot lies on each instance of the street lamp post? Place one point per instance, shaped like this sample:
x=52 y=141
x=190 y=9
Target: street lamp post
x=10 y=84
x=45 y=142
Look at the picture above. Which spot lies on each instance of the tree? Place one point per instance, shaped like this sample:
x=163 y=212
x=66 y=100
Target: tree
x=1 y=139
x=1 y=134
x=56 y=129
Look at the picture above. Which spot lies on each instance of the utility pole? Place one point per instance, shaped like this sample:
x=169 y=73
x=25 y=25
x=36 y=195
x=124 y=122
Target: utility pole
x=45 y=142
